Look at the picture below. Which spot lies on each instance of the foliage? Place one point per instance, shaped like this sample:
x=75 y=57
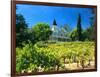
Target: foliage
x=24 y=34
x=35 y=54
x=74 y=35
x=20 y=23
x=41 y=32
x=52 y=56
x=24 y=57
x=89 y=33
x=79 y=28
x=21 y=30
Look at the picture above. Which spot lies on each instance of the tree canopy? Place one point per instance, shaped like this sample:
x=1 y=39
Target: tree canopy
x=41 y=31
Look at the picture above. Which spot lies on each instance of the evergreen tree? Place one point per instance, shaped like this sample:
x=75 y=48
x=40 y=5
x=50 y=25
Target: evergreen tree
x=89 y=33
x=79 y=29
x=21 y=30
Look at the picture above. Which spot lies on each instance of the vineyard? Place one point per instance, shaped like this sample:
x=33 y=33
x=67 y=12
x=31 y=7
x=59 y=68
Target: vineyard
x=60 y=56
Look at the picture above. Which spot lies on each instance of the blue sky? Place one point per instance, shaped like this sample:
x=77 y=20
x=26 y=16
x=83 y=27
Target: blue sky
x=34 y=14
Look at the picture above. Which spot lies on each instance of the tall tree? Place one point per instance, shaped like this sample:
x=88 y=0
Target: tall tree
x=92 y=27
x=89 y=33
x=41 y=32
x=20 y=23
x=21 y=30
x=79 y=28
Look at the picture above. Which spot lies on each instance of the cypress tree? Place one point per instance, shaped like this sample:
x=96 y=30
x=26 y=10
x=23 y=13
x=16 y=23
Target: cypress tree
x=79 y=28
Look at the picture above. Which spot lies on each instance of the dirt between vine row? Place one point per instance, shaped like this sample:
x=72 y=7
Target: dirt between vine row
x=73 y=66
